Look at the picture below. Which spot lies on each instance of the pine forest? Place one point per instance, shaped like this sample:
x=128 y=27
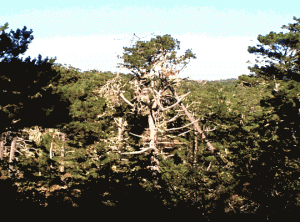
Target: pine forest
x=150 y=144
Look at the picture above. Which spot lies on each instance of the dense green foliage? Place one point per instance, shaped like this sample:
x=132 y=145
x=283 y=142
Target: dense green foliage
x=68 y=146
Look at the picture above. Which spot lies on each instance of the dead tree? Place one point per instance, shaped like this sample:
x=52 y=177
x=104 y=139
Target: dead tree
x=155 y=94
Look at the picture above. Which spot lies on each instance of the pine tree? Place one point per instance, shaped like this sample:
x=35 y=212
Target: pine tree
x=274 y=170
x=153 y=92
x=4 y=27
x=27 y=91
x=154 y=102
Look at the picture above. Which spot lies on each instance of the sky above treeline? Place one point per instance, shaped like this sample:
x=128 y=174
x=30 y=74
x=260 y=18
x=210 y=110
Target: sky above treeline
x=90 y=34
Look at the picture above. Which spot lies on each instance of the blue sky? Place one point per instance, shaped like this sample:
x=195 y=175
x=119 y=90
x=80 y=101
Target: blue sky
x=89 y=35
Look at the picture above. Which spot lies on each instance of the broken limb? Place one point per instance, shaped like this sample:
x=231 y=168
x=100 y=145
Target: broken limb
x=125 y=100
x=184 y=132
x=138 y=152
x=136 y=135
x=210 y=146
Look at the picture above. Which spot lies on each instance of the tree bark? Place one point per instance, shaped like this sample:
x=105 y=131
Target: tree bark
x=12 y=153
x=152 y=132
x=62 y=168
x=1 y=148
x=50 y=153
x=120 y=130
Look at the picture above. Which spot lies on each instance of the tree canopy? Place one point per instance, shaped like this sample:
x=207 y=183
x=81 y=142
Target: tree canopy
x=150 y=141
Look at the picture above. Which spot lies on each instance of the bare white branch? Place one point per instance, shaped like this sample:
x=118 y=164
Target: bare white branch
x=232 y=207
x=136 y=135
x=183 y=126
x=175 y=104
x=138 y=152
x=207 y=129
x=169 y=143
x=125 y=100
x=185 y=132
x=170 y=155
x=208 y=168
x=188 y=114
x=174 y=118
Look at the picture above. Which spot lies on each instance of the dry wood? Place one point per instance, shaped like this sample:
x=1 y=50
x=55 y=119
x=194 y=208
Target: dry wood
x=188 y=114
x=138 y=152
x=1 y=148
x=12 y=153
x=62 y=168
x=154 y=95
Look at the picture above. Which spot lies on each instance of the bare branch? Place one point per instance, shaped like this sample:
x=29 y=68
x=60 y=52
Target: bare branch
x=208 y=168
x=136 y=135
x=170 y=156
x=174 y=118
x=125 y=100
x=183 y=126
x=207 y=129
x=185 y=132
x=101 y=115
x=191 y=104
x=171 y=136
x=138 y=152
x=168 y=143
x=195 y=124
x=175 y=104
x=232 y=207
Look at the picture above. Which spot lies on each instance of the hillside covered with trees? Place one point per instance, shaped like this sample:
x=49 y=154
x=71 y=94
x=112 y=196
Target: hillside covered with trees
x=151 y=143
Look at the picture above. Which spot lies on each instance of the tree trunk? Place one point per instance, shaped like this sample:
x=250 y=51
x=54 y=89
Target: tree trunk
x=62 y=168
x=50 y=153
x=12 y=153
x=121 y=129
x=152 y=134
x=195 y=149
x=1 y=147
